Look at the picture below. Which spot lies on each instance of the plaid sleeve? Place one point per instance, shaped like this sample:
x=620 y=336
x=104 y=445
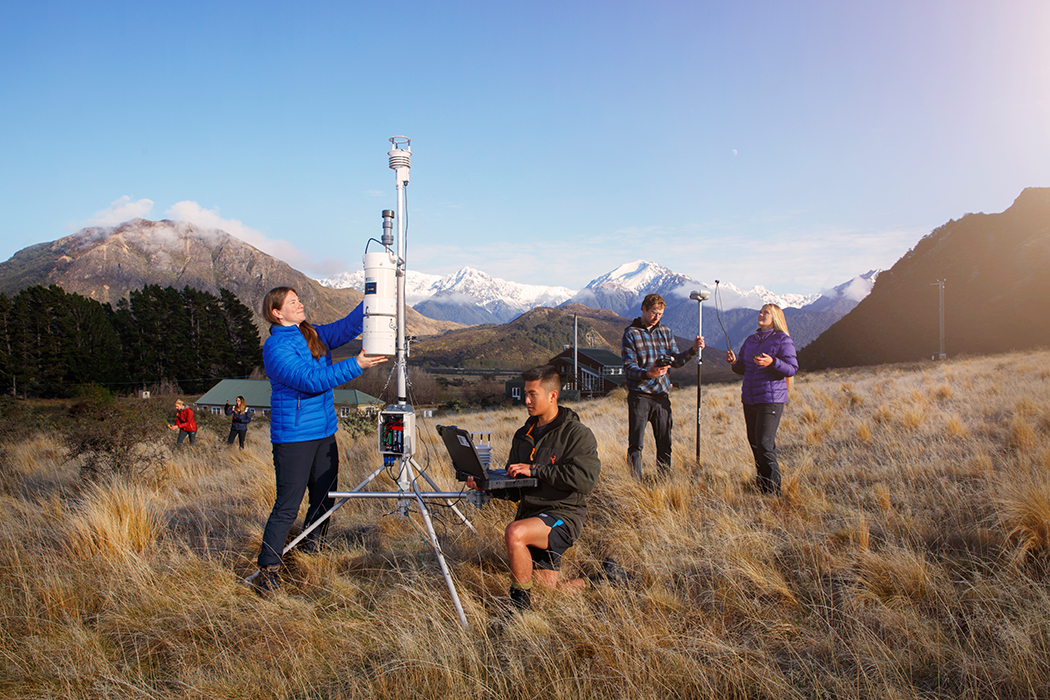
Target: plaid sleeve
x=632 y=350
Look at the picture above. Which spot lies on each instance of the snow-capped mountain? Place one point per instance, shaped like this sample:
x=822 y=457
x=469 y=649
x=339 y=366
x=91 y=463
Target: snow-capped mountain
x=846 y=295
x=730 y=315
x=418 y=285
x=473 y=297
x=623 y=289
x=430 y=294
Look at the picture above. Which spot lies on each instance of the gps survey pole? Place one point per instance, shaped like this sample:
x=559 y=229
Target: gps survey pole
x=699 y=297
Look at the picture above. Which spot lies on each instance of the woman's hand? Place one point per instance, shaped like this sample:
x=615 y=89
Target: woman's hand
x=763 y=360
x=730 y=357
x=364 y=362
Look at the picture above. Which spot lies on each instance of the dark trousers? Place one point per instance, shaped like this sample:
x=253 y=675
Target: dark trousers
x=643 y=409
x=300 y=466
x=239 y=434
x=182 y=436
x=762 y=420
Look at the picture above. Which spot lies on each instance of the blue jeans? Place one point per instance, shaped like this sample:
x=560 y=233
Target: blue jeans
x=762 y=421
x=299 y=466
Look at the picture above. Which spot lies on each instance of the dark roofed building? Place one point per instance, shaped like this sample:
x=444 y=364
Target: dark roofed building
x=600 y=371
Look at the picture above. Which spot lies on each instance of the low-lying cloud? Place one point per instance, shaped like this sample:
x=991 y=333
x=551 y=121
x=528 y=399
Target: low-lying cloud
x=194 y=213
x=124 y=209
x=121 y=210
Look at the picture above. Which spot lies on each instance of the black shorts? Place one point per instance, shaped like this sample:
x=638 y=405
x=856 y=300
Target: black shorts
x=558 y=542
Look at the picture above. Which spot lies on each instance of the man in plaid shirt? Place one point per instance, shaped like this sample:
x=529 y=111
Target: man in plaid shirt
x=649 y=351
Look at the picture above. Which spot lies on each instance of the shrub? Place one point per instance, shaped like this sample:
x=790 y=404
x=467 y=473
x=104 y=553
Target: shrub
x=359 y=424
x=114 y=437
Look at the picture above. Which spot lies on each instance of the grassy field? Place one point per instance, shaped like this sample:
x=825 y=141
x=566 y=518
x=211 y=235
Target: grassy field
x=908 y=558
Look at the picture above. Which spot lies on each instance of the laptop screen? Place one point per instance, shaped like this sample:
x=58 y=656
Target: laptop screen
x=461 y=449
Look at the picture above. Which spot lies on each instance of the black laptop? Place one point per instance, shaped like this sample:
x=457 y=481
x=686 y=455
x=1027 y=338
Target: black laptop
x=467 y=462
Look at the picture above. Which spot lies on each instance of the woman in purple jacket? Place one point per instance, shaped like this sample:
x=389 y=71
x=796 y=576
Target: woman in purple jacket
x=767 y=361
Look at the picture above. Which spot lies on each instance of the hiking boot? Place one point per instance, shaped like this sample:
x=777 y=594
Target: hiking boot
x=267 y=583
x=521 y=598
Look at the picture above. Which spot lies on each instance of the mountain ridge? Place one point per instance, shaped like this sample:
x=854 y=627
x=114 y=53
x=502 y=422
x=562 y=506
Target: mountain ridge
x=989 y=263
x=106 y=263
x=473 y=297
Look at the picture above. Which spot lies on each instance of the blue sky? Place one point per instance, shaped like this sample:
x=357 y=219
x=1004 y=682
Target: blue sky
x=788 y=144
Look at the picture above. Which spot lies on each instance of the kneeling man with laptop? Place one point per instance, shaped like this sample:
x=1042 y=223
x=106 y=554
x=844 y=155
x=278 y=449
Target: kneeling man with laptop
x=559 y=455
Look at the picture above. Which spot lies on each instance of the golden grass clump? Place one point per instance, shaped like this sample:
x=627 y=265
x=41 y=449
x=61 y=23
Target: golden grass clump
x=913 y=418
x=1023 y=433
x=906 y=559
x=1023 y=502
x=113 y=519
x=955 y=427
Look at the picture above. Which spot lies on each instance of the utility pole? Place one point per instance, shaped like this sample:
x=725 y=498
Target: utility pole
x=576 y=354
x=940 y=285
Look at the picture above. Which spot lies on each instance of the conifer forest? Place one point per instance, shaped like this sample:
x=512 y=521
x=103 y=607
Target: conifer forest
x=52 y=342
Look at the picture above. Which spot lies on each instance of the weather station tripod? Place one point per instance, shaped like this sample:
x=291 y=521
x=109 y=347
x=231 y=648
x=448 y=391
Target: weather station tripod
x=384 y=334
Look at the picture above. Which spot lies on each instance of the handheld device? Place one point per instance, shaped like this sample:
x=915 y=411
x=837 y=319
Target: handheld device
x=664 y=361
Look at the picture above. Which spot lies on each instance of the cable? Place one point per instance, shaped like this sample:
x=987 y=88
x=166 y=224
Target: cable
x=718 y=315
x=382 y=394
x=369 y=241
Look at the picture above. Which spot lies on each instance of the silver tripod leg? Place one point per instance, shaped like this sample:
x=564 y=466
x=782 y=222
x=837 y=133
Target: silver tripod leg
x=437 y=549
x=448 y=502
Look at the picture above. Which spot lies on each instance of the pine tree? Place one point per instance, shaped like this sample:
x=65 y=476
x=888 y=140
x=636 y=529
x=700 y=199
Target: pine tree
x=7 y=375
x=242 y=335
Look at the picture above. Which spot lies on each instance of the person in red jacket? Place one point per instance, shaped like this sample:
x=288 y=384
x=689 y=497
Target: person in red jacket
x=184 y=423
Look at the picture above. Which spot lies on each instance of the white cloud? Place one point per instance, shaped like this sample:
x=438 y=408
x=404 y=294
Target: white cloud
x=194 y=213
x=121 y=210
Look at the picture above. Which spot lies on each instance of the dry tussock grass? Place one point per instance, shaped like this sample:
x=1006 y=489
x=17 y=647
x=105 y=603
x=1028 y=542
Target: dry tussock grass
x=908 y=558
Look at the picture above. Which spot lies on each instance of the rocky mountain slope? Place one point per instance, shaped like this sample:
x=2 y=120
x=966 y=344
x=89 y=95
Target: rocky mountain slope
x=106 y=263
x=995 y=272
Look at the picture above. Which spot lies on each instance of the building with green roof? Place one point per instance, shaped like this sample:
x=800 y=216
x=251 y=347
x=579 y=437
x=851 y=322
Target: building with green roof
x=256 y=393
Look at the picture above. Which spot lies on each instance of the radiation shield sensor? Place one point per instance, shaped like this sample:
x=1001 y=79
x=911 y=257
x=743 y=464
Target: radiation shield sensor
x=379 y=331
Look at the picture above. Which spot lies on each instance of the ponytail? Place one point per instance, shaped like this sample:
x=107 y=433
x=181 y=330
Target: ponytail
x=317 y=347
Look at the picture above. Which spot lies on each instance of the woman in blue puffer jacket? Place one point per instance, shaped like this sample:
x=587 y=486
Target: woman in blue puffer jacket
x=767 y=361
x=298 y=361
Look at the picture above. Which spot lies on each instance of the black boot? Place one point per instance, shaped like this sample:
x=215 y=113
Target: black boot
x=521 y=598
